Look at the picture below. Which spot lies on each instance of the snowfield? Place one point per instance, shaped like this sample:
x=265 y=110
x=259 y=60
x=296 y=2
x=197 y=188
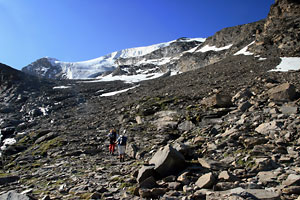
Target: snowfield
x=244 y=51
x=287 y=64
x=87 y=69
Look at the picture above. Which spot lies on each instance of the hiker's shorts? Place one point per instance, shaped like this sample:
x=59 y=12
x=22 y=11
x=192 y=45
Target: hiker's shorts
x=121 y=149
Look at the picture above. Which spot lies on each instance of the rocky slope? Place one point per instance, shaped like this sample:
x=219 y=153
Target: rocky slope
x=229 y=130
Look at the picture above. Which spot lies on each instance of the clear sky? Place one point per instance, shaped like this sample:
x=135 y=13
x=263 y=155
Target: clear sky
x=79 y=30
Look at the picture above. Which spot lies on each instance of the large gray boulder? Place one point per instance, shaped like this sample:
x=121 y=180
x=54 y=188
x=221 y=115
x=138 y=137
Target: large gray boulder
x=168 y=161
x=13 y=195
x=283 y=92
x=269 y=127
x=240 y=192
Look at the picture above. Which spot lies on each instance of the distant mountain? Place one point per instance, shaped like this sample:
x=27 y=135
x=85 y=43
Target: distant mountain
x=55 y=69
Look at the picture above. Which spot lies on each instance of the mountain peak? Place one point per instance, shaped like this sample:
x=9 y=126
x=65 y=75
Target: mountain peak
x=153 y=55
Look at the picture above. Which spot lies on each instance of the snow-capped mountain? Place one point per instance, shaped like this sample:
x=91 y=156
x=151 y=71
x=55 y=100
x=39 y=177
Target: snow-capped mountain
x=154 y=55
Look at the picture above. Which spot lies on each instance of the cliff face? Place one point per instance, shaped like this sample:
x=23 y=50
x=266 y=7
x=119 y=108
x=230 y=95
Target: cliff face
x=238 y=37
x=281 y=33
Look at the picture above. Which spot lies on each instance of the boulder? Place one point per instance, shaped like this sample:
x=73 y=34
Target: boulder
x=266 y=177
x=283 y=92
x=291 y=190
x=186 y=126
x=131 y=150
x=168 y=161
x=210 y=164
x=145 y=172
x=182 y=148
x=244 y=106
x=244 y=194
x=174 y=185
x=217 y=100
x=13 y=195
x=243 y=94
x=227 y=176
x=166 y=120
x=264 y=164
x=269 y=127
x=206 y=181
x=183 y=178
x=154 y=193
x=148 y=183
x=289 y=110
x=292 y=179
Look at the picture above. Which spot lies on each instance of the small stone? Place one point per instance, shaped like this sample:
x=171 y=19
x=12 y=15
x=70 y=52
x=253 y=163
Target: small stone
x=291 y=190
x=226 y=176
x=289 y=110
x=183 y=178
x=206 y=181
x=210 y=164
x=174 y=185
x=292 y=179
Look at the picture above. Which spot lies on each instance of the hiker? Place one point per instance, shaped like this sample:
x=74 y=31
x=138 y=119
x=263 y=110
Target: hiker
x=112 y=140
x=121 y=141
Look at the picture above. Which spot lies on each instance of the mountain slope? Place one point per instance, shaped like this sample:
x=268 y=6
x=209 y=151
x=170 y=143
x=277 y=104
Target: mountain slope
x=52 y=68
x=234 y=119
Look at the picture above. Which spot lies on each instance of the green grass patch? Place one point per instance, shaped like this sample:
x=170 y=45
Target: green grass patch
x=46 y=146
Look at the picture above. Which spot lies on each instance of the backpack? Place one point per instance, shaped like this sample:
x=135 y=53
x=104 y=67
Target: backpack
x=122 y=140
x=112 y=135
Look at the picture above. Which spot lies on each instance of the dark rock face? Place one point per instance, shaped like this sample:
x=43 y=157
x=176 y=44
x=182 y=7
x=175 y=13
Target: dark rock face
x=44 y=68
x=237 y=36
x=281 y=32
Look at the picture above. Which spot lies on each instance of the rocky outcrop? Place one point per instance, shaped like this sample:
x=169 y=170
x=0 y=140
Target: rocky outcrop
x=44 y=68
x=13 y=195
x=281 y=32
x=238 y=37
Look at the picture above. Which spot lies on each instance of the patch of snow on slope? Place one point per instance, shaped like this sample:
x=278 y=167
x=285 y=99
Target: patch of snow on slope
x=132 y=78
x=144 y=75
x=244 y=51
x=160 y=61
x=7 y=142
x=195 y=39
x=61 y=87
x=213 y=48
x=117 y=92
x=288 y=63
x=191 y=50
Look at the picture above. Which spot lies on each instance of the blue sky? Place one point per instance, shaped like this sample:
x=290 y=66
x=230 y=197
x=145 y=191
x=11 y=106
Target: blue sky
x=78 y=30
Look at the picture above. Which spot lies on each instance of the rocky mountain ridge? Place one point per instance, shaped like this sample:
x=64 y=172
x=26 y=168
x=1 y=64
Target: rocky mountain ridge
x=152 y=56
x=229 y=130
